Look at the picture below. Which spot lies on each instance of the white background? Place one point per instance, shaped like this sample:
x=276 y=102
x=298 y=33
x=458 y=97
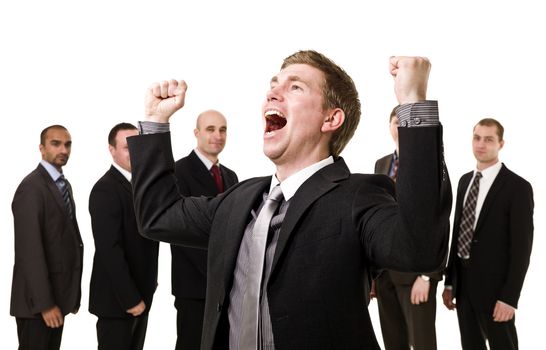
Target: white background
x=86 y=65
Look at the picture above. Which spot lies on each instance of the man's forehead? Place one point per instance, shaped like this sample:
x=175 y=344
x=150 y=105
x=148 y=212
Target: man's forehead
x=485 y=130
x=57 y=135
x=298 y=72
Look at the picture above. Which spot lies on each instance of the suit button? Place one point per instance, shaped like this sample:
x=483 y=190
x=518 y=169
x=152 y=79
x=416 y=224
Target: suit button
x=218 y=307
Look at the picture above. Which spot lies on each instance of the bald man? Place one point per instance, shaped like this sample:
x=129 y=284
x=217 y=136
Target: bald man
x=196 y=177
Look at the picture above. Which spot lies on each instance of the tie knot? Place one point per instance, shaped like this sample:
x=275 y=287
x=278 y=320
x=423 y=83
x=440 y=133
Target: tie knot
x=275 y=194
x=478 y=175
x=61 y=180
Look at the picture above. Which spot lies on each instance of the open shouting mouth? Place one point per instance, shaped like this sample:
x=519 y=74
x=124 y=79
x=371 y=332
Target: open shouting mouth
x=274 y=120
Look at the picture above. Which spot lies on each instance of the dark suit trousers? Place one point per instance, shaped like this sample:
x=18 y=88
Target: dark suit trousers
x=189 y=323
x=33 y=334
x=122 y=333
x=477 y=325
x=402 y=323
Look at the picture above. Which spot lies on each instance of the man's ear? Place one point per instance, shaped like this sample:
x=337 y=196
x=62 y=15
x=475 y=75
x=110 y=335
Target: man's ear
x=334 y=119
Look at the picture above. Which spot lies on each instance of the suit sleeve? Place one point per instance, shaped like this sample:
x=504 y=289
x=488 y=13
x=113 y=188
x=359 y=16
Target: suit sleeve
x=409 y=231
x=521 y=241
x=162 y=213
x=30 y=258
x=106 y=221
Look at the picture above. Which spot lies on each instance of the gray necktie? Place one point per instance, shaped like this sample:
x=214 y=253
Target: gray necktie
x=62 y=184
x=251 y=298
x=466 y=228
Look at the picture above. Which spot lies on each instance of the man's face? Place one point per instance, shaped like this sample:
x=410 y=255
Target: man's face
x=293 y=116
x=393 y=126
x=211 y=134
x=120 y=153
x=56 y=148
x=486 y=145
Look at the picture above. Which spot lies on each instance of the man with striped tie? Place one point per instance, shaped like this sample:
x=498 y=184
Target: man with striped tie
x=48 y=247
x=491 y=245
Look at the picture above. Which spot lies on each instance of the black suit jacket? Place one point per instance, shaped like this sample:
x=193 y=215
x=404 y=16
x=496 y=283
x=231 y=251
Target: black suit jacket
x=125 y=263
x=48 y=249
x=189 y=265
x=501 y=245
x=336 y=225
x=383 y=166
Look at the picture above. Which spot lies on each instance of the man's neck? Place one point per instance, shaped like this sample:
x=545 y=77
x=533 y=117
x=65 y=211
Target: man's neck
x=211 y=157
x=284 y=171
x=484 y=165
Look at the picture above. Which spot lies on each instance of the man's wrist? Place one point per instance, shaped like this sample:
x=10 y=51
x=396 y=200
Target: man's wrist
x=425 y=278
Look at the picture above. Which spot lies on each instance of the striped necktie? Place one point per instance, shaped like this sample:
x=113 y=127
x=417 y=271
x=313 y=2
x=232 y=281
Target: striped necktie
x=63 y=185
x=466 y=228
x=251 y=298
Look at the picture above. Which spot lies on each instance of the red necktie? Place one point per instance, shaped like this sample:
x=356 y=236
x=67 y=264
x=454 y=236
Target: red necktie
x=217 y=178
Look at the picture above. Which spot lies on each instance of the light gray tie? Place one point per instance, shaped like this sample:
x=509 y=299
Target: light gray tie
x=251 y=298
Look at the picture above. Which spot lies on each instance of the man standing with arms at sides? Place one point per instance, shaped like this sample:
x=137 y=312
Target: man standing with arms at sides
x=289 y=254
x=406 y=301
x=48 y=247
x=491 y=245
x=198 y=174
x=124 y=275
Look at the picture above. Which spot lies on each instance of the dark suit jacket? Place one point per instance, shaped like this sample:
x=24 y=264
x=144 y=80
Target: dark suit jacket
x=501 y=246
x=383 y=166
x=48 y=249
x=189 y=265
x=337 y=223
x=125 y=263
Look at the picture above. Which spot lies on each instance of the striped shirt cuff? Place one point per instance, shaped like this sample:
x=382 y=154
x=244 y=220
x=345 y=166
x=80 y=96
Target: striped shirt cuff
x=418 y=115
x=145 y=127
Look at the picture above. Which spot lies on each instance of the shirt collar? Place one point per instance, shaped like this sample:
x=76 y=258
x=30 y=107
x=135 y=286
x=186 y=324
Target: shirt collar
x=125 y=173
x=294 y=182
x=205 y=160
x=490 y=172
x=53 y=172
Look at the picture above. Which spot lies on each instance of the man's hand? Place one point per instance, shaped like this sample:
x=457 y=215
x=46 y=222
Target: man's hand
x=53 y=317
x=503 y=312
x=410 y=78
x=163 y=99
x=138 y=309
x=419 y=291
x=447 y=296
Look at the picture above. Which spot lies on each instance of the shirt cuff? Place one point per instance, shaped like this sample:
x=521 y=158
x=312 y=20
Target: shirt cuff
x=418 y=115
x=145 y=127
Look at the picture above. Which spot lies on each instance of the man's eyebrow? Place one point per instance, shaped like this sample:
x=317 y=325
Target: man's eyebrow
x=275 y=79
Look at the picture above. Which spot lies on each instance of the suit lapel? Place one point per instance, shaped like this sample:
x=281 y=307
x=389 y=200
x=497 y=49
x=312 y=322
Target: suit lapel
x=499 y=182
x=226 y=177
x=201 y=174
x=116 y=174
x=310 y=191
x=52 y=188
x=385 y=165
x=245 y=198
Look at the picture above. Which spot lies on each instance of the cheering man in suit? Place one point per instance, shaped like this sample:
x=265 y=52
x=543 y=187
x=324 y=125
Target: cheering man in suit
x=48 y=247
x=196 y=175
x=406 y=301
x=289 y=254
x=491 y=245
x=124 y=275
